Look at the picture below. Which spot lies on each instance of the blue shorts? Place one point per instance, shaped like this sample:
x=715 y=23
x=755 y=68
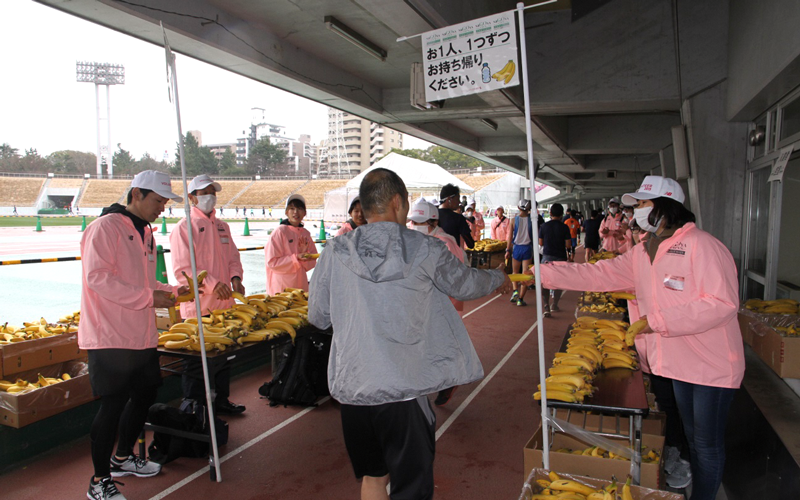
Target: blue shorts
x=574 y=243
x=522 y=252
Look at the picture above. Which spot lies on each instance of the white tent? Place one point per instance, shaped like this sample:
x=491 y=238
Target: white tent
x=419 y=176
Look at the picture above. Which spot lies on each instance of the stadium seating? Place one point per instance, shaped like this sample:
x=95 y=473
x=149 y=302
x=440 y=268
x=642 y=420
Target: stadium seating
x=20 y=191
x=65 y=183
x=103 y=192
x=478 y=182
x=314 y=191
x=267 y=193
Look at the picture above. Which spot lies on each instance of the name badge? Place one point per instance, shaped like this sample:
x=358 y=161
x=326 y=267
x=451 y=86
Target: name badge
x=150 y=257
x=674 y=282
x=224 y=240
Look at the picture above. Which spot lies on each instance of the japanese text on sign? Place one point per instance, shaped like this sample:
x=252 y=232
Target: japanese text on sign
x=476 y=56
x=780 y=164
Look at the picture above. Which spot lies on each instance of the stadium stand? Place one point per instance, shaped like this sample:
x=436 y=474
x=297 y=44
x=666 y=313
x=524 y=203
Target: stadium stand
x=230 y=190
x=20 y=191
x=478 y=182
x=314 y=191
x=65 y=183
x=103 y=192
x=267 y=193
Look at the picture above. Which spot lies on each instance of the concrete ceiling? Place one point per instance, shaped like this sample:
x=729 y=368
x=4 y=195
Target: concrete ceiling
x=604 y=88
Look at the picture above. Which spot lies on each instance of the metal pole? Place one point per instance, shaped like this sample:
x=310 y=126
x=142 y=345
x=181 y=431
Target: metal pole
x=97 y=105
x=534 y=237
x=198 y=307
x=108 y=123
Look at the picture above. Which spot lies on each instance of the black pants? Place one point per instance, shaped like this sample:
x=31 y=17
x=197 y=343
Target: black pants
x=127 y=382
x=194 y=387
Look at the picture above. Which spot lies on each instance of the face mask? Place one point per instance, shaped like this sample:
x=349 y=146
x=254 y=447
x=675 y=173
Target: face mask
x=422 y=228
x=642 y=216
x=206 y=202
x=613 y=210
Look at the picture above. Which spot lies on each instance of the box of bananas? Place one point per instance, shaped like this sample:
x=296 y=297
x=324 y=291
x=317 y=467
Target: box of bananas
x=489 y=246
x=601 y=256
x=543 y=484
x=648 y=456
x=34 y=330
x=254 y=319
x=778 y=306
x=32 y=395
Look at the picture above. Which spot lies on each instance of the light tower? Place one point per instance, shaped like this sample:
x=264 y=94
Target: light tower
x=102 y=74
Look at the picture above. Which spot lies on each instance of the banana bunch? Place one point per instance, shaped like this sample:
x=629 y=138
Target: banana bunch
x=22 y=386
x=32 y=331
x=788 y=331
x=607 y=308
x=602 y=256
x=597 y=298
x=555 y=487
x=606 y=336
x=256 y=318
x=71 y=319
x=507 y=73
x=648 y=456
x=489 y=245
x=778 y=306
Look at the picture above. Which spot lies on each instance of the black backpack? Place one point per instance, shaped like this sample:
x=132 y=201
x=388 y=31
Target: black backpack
x=302 y=375
x=191 y=417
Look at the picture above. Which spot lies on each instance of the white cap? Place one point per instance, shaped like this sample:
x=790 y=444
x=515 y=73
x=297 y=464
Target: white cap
x=471 y=201
x=202 y=181
x=295 y=197
x=614 y=200
x=422 y=211
x=655 y=186
x=155 y=181
x=434 y=211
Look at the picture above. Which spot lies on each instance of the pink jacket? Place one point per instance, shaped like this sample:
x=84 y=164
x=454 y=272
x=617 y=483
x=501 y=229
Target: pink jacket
x=627 y=244
x=284 y=268
x=478 y=226
x=215 y=251
x=346 y=228
x=610 y=242
x=690 y=295
x=500 y=229
x=118 y=280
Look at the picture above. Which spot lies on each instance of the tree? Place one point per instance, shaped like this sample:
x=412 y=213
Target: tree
x=265 y=158
x=147 y=162
x=228 y=162
x=198 y=159
x=123 y=162
x=9 y=158
x=32 y=162
x=72 y=162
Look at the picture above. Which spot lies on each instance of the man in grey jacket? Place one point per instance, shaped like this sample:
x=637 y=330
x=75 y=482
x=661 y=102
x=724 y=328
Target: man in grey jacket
x=397 y=337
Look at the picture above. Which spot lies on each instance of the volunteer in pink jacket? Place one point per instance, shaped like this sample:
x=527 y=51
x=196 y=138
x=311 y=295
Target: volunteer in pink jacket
x=686 y=287
x=288 y=248
x=356 y=217
x=500 y=225
x=610 y=228
x=216 y=253
x=118 y=327
x=479 y=225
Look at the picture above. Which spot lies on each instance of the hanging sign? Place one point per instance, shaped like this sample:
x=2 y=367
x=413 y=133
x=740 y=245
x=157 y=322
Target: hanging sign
x=780 y=164
x=472 y=57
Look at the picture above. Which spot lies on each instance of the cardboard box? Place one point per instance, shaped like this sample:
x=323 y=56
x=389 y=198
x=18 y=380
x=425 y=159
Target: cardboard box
x=19 y=410
x=637 y=492
x=30 y=354
x=485 y=260
x=744 y=326
x=162 y=319
x=782 y=354
x=652 y=424
x=651 y=473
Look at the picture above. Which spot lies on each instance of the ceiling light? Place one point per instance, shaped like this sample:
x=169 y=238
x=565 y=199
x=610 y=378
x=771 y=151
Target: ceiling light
x=353 y=37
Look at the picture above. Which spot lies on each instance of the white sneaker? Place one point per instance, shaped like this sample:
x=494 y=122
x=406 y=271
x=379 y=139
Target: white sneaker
x=105 y=489
x=681 y=475
x=134 y=466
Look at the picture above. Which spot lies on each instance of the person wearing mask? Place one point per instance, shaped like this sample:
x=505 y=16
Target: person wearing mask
x=519 y=246
x=469 y=214
x=574 y=231
x=687 y=289
x=288 y=248
x=118 y=328
x=610 y=228
x=625 y=236
x=395 y=319
x=499 y=227
x=479 y=225
x=591 y=228
x=356 y=217
x=216 y=253
x=450 y=221
x=555 y=241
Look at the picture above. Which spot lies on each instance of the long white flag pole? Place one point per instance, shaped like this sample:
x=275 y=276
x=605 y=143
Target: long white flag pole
x=535 y=236
x=172 y=77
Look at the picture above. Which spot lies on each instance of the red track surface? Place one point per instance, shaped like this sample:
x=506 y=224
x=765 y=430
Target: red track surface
x=479 y=456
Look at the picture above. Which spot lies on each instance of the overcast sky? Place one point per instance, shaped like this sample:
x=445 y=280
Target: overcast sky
x=44 y=107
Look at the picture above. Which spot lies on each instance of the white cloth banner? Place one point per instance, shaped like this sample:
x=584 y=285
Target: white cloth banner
x=467 y=58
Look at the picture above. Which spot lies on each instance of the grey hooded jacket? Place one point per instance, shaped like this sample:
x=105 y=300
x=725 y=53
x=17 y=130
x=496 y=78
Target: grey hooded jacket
x=397 y=336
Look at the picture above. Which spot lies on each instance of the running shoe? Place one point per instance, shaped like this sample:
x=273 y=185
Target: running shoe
x=134 y=466
x=444 y=396
x=681 y=475
x=514 y=296
x=105 y=489
x=546 y=312
x=521 y=303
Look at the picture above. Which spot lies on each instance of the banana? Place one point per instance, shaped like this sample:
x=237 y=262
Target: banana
x=166 y=337
x=283 y=326
x=189 y=327
x=558 y=387
x=571 y=486
x=5 y=384
x=634 y=330
x=65 y=376
x=215 y=329
x=608 y=323
x=42 y=381
x=544 y=483
x=218 y=339
x=294 y=321
x=178 y=344
x=289 y=313
x=566 y=370
x=616 y=363
x=624 y=357
x=252 y=311
x=626 y=490
x=553 y=476
x=618 y=333
x=557 y=395
x=574 y=380
x=241 y=298
x=623 y=295
x=244 y=317
x=589 y=353
x=595 y=496
x=259 y=304
x=569 y=496
x=582 y=362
